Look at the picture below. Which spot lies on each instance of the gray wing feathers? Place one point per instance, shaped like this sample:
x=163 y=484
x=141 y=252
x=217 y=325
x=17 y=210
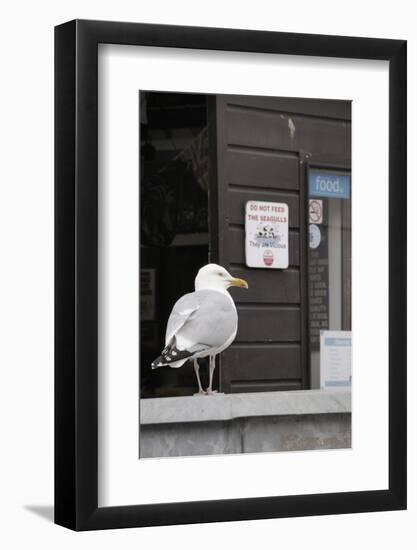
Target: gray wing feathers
x=180 y=313
x=205 y=319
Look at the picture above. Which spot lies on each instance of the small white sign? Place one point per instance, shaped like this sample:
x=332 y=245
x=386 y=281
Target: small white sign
x=335 y=359
x=266 y=230
x=314 y=235
x=315 y=211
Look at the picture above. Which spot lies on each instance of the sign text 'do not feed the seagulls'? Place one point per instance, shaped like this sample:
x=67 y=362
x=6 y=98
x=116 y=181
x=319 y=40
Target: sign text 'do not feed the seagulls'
x=266 y=235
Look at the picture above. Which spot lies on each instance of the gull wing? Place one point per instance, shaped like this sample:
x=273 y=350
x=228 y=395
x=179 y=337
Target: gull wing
x=181 y=312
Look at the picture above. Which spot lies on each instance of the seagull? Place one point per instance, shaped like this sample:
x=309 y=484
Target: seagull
x=202 y=323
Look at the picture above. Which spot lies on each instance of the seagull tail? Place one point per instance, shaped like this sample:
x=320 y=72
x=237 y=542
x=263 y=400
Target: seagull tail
x=161 y=362
x=171 y=356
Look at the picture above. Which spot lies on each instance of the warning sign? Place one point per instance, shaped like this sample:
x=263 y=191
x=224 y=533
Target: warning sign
x=266 y=230
x=315 y=211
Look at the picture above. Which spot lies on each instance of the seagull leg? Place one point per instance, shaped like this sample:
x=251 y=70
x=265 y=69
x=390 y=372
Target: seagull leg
x=200 y=387
x=210 y=391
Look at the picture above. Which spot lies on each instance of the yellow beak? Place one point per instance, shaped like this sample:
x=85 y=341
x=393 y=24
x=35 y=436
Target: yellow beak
x=241 y=283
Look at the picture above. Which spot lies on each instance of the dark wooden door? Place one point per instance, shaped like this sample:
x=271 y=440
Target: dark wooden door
x=259 y=149
x=257 y=160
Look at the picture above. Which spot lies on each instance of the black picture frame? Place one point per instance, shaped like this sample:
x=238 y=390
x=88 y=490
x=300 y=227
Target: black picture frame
x=76 y=269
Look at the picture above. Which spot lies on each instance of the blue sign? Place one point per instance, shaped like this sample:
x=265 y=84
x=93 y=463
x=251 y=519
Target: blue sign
x=337 y=342
x=328 y=184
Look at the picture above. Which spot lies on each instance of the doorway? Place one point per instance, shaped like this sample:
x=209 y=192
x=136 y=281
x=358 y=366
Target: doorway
x=174 y=241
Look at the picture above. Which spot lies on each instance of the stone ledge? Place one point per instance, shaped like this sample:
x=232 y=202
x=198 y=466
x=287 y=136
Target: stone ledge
x=169 y=410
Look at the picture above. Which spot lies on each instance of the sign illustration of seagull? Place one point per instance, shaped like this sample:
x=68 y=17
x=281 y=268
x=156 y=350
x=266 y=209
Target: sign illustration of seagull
x=202 y=323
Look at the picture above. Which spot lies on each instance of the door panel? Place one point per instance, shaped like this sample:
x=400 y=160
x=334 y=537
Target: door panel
x=279 y=324
x=260 y=147
x=256 y=161
x=267 y=286
x=266 y=366
x=277 y=131
x=259 y=168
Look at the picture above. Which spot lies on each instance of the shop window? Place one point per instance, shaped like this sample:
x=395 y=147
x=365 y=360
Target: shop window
x=329 y=264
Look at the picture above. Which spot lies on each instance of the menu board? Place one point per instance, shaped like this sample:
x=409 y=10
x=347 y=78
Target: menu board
x=335 y=359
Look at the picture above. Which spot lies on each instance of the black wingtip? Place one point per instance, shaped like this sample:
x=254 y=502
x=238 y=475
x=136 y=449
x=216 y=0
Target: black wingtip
x=155 y=365
x=171 y=354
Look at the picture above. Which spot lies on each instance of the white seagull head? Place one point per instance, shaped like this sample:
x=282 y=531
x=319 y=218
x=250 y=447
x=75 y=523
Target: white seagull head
x=216 y=277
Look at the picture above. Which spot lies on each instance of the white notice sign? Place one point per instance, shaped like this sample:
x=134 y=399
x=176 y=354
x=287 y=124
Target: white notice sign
x=266 y=230
x=315 y=211
x=335 y=359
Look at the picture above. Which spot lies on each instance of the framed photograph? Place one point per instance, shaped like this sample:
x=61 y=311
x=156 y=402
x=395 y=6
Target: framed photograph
x=230 y=254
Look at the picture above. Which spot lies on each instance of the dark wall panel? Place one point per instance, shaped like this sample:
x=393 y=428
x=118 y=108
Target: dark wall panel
x=268 y=286
x=273 y=169
x=279 y=324
x=334 y=109
x=266 y=129
x=261 y=362
x=263 y=145
x=277 y=384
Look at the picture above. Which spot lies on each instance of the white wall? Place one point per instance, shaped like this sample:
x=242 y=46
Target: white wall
x=26 y=291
